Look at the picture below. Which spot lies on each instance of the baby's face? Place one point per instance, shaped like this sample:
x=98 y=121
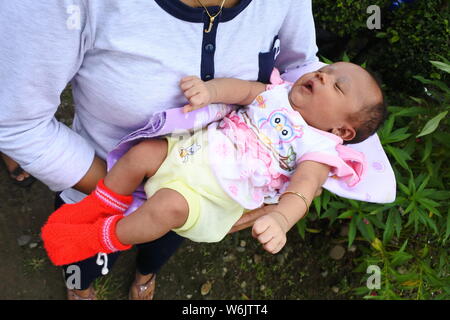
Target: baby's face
x=327 y=97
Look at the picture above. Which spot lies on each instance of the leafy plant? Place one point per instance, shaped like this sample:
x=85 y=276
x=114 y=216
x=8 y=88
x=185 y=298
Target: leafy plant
x=411 y=34
x=408 y=237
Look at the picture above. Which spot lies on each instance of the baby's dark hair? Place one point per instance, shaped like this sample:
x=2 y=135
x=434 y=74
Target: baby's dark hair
x=370 y=117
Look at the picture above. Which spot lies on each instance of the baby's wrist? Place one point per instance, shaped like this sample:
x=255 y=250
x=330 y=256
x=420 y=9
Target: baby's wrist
x=282 y=220
x=212 y=90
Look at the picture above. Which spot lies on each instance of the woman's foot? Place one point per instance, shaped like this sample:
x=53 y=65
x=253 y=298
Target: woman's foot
x=143 y=287
x=16 y=173
x=88 y=294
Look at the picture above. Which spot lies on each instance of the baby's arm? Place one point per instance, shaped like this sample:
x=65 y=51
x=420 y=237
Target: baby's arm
x=221 y=90
x=271 y=228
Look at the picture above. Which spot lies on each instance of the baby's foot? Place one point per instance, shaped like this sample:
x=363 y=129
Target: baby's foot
x=101 y=203
x=69 y=243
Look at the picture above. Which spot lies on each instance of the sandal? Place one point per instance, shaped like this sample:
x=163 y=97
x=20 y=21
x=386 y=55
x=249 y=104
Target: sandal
x=16 y=172
x=142 y=291
x=72 y=295
x=26 y=182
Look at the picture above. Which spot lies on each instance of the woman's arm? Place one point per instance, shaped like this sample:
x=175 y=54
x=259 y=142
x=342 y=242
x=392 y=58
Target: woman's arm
x=298 y=39
x=40 y=52
x=89 y=181
x=221 y=90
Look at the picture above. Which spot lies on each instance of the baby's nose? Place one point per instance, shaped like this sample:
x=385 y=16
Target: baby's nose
x=323 y=77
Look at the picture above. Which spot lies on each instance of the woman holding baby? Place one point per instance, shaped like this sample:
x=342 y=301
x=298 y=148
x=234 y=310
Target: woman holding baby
x=124 y=60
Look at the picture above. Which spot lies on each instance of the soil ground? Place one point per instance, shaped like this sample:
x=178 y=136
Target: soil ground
x=236 y=268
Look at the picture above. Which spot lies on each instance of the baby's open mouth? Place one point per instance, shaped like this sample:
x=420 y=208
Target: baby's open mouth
x=309 y=86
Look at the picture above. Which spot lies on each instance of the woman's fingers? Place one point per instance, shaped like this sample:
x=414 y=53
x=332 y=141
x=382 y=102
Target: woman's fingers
x=249 y=218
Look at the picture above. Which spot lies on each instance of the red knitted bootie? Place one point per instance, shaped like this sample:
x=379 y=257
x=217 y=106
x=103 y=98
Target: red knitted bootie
x=69 y=243
x=102 y=202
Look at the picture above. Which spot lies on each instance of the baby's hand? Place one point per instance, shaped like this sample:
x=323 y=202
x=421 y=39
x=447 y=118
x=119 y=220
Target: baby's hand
x=198 y=92
x=270 y=230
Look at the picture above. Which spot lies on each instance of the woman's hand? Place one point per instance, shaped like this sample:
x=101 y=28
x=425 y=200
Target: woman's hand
x=249 y=218
x=198 y=92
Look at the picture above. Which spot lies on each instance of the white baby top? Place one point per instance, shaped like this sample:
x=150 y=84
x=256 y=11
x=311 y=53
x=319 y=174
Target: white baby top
x=254 y=151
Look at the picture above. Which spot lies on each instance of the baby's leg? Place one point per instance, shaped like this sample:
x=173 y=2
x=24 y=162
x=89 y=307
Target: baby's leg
x=66 y=243
x=165 y=210
x=112 y=194
x=141 y=161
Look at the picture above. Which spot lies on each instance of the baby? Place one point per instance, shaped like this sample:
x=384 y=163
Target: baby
x=279 y=148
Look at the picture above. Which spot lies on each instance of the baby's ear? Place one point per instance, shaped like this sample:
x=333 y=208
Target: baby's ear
x=346 y=132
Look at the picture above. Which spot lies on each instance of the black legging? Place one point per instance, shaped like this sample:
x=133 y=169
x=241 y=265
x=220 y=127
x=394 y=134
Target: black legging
x=151 y=256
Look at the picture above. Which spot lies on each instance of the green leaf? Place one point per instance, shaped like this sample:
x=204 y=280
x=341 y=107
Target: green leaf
x=418 y=100
x=430 y=205
x=447 y=231
x=424 y=183
x=376 y=221
x=394 y=38
x=441 y=65
x=397 y=222
x=351 y=232
x=409 y=112
x=423 y=80
x=301 y=227
x=325 y=60
x=317 y=205
x=440 y=195
x=325 y=199
x=400 y=156
x=403 y=246
x=330 y=213
x=432 y=124
x=381 y=35
x=346 y=214
x=397 y=136
x=345 y=57
x=404 y=188
x=366 y=230
x=428 y=148
x=431 y=223
x=400 y=257
x=386 y=129
x=389 y=230
x=443 y=58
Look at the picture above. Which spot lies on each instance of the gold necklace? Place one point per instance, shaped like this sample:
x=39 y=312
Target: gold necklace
x=211 y=18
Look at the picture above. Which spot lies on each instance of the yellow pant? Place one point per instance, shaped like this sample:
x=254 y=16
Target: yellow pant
x=186 y=170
